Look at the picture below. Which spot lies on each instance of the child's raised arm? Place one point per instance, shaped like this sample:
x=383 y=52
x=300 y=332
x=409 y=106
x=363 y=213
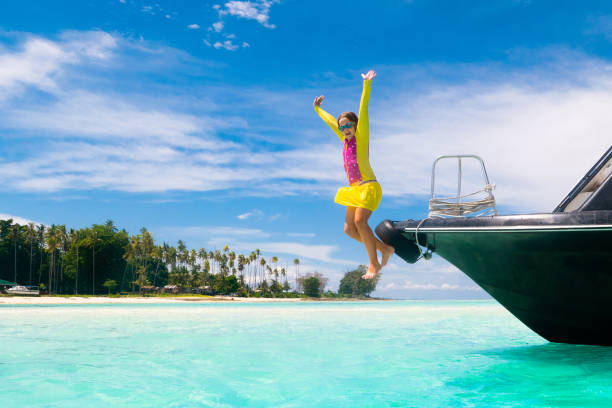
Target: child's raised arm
x=363 y=126
x=327 y=118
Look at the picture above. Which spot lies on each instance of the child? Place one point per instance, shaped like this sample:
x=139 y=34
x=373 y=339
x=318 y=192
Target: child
x=364 y=193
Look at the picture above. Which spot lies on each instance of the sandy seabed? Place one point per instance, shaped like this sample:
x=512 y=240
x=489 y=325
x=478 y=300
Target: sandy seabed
x=75 y=300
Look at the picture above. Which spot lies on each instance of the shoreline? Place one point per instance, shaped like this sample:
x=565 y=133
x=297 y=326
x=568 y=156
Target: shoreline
x=101 y=300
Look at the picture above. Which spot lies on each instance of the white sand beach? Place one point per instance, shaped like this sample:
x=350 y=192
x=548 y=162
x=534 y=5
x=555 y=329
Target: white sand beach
x=52 y=300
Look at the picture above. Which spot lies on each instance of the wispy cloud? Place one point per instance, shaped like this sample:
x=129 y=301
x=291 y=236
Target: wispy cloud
x=509 y=124
x=18 y=220
x=227 y=45
x=39 y=62
x=421 y=279
x=105 y=139
x=253 y=213
x=322 y=253
x=249 y=239
x=250 y=10
x=193 y=26
x=217 y=27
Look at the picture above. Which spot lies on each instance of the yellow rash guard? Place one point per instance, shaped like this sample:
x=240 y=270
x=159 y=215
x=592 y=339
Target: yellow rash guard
x=356 y=151
x=356 y=158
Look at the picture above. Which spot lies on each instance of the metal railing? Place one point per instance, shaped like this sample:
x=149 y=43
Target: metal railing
x=462 y=205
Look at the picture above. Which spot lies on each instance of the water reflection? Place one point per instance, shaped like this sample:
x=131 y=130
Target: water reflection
x=550 y=374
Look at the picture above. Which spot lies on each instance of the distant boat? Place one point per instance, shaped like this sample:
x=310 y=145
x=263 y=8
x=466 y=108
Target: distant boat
x=552 y=271
x=22 y=290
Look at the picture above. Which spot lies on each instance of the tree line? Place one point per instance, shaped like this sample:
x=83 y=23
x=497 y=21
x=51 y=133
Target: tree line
x=101 y=258
x=81 y=261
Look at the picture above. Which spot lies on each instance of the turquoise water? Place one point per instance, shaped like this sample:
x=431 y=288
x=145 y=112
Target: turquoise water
x=315 y=354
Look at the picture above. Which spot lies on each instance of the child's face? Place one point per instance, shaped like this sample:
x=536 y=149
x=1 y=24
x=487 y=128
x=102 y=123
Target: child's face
x=348 y=132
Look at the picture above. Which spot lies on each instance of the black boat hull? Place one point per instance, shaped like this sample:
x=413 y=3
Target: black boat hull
x=552 y=271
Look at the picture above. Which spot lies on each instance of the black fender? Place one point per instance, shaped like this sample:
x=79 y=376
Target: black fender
x=405 y=248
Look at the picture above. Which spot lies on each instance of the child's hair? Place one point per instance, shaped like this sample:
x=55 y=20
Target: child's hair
x=351 y=116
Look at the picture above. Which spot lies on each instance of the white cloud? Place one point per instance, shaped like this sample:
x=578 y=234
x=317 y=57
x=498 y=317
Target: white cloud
x=245 y=44
x=18 y=220
x=213 y=233
x=193 y=26
x=41 y=62
x=253 y=213
x=537 y=135
x=256 y=10
x=508 y=120
x=218 y=26
x=227 y=44
x=95 y=116
x=247 y=239
x=322 y=253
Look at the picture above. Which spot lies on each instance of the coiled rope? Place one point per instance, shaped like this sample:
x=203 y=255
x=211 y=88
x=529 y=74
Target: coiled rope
x=457 y=207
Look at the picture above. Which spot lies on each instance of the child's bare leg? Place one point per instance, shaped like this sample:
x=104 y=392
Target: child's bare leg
x=350 y=229
x=369 y=241
x=386 y=251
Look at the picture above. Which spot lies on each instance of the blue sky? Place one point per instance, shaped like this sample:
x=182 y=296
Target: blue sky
x=195 y=119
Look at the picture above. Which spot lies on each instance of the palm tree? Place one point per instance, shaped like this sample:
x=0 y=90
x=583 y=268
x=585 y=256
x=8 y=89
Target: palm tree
x=40 y=232
x=75 y=240
x=15 y=235
x=31 y=232
x=202 y=255
x=51 y=245
x=296 y=262
x=63 y=247
x=157 y=255
x=262 y=262
x=182 y=252
x=283 y=272
x=92 y=239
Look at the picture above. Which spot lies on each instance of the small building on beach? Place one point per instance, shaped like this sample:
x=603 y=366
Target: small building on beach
x=4 y=285
x=174 y=289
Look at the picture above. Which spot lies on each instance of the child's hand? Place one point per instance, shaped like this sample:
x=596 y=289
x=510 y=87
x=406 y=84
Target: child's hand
x=369 y=76
x=318 y=100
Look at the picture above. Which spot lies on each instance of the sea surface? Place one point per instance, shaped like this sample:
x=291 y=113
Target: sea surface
x=307 y=354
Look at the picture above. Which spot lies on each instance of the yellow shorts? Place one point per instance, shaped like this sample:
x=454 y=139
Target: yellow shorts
x=366 y=196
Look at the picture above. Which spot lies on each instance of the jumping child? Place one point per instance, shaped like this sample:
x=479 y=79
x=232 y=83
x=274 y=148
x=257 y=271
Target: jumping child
x=363 y=195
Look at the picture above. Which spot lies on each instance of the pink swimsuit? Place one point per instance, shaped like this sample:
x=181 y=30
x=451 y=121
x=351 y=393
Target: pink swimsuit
x=351 y=166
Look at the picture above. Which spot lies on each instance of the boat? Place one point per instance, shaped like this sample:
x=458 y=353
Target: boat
x=23 y=291
x=552 y=271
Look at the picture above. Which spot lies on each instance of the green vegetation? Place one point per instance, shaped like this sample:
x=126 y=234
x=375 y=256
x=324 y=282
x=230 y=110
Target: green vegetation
x=102 y=259
x=353 y=285
x=110 y=285
x=89 y=260
x=311 y=287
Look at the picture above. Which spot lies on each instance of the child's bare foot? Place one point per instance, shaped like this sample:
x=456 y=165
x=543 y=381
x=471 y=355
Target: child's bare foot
x=372 y=271
x=386 y=254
